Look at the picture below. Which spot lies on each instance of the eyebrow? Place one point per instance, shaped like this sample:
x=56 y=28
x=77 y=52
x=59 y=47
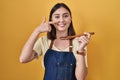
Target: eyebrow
x=63 y=13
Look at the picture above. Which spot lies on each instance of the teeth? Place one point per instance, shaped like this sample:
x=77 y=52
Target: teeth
x=61 y=25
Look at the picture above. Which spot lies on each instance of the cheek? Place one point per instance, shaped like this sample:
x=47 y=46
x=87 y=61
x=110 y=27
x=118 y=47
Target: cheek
x=54 y=21
x=68 y=22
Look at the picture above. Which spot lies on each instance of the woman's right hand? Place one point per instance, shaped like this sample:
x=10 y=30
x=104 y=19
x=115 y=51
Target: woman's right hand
x=44 y=26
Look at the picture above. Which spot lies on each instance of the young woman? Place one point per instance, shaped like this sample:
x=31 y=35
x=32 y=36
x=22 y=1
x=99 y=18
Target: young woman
x=63 y=59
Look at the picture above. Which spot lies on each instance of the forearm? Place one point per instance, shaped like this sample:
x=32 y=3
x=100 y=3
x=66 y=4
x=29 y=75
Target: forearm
x=81 y=70
x=27 y=50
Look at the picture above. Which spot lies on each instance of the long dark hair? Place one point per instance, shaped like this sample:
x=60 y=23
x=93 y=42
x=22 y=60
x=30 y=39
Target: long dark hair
x=52 y=35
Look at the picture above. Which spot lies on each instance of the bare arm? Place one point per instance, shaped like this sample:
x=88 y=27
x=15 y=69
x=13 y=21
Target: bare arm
x=28 y=54
x=27 y=51
x=81 y=69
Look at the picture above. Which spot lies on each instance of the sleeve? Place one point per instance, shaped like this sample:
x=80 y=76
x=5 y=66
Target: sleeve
x=38 y=46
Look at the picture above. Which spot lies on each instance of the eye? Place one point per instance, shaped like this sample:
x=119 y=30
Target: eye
x=56 y=17
x=66 y=16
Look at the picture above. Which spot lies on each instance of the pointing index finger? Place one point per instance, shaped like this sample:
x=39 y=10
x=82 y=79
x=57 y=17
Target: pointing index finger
x=44 y=20
x=51 y=22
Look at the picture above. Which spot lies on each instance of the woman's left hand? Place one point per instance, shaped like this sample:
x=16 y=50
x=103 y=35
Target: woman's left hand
x=83 y=41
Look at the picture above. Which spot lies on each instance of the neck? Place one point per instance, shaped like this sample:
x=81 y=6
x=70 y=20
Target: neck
x=61 y=34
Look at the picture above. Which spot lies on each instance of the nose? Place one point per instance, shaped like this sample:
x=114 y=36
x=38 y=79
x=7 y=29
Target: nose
x=61 y=19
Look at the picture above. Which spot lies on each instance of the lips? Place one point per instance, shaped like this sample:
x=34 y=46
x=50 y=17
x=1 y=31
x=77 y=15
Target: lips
x=61 y=24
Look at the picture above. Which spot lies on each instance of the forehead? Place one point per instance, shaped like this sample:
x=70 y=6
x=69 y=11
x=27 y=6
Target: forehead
x=61 y=10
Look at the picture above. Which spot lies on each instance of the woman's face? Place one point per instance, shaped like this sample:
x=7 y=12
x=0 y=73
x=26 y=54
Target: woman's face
x=61 y=19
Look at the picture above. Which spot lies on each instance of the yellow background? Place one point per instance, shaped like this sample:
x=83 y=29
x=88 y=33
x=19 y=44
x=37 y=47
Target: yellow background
x=18 y=18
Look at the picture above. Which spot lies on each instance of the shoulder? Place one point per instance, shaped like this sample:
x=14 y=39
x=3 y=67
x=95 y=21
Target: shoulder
x=42 y=44
x=75 y=42
x=43 y=39
x=75 y=46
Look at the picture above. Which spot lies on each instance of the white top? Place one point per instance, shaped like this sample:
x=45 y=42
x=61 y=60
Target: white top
x=43 y=43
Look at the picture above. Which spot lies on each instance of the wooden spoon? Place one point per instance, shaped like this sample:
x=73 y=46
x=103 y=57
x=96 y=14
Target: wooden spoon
x=71 y=37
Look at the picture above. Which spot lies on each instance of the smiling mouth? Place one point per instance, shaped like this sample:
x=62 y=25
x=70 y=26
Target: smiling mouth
x=61 y=25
